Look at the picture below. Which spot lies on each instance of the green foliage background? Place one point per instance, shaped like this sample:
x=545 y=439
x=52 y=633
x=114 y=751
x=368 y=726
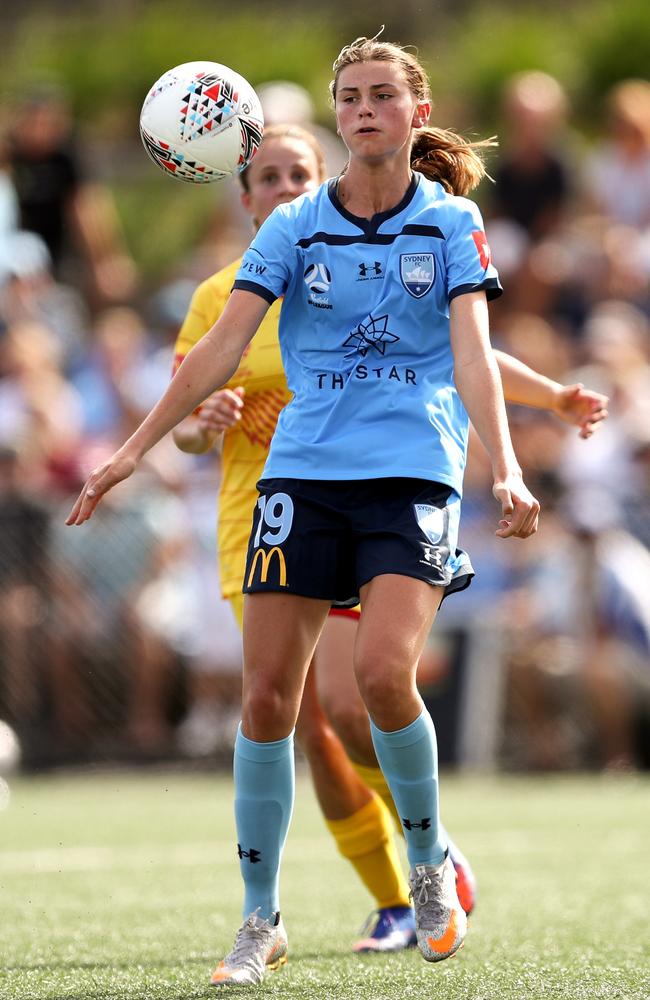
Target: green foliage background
x=106 y=55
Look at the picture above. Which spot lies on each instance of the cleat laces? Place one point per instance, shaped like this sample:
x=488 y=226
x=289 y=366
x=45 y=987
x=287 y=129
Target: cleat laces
x=247 y=951
x=431 y=910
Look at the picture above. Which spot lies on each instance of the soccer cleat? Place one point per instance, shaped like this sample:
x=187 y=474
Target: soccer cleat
x=465 y=879
x=259 y=945
x=440 y=920
x=393 y=930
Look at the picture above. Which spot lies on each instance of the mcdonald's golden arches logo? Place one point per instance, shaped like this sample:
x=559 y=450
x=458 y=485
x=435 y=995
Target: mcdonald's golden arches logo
x=265 y=559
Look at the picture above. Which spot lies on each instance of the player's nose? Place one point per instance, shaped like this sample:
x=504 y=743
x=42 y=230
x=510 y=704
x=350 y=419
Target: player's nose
x=364 y=108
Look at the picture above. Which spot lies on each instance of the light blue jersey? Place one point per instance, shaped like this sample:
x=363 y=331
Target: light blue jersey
x=364 y=332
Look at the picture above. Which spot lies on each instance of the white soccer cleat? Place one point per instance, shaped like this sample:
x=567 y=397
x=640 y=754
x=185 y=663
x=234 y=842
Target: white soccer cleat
x=440 y=920
x=259 y=945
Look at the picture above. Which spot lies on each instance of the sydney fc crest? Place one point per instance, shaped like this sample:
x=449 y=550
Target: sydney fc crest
x=417 y=271
x=431 y=520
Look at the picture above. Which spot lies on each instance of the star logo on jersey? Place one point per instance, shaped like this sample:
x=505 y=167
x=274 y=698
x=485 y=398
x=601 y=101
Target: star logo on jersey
x=370 y=335
x=483 y=248
x=418 y=272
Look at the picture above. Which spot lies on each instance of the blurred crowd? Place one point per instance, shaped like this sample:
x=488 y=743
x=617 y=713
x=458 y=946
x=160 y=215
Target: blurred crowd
x=114 y=642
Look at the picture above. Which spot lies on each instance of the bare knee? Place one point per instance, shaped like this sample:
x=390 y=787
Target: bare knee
x=388 y=691
x=267 y=712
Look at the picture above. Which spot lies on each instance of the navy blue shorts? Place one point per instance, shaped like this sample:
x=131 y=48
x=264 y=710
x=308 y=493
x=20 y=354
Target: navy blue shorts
x=327 y=539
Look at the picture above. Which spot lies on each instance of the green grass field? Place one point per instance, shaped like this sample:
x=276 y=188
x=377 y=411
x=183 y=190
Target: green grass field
x=122 y=885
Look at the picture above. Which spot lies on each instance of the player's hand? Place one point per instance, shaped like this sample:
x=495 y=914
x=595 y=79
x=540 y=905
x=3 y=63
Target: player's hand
x=222 y=410
x=519 y=508
x=99 y=482
x=581 y=407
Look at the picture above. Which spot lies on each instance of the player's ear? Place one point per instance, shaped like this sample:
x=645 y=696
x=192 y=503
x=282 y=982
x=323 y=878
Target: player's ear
x=421 y=114
x=247 y=202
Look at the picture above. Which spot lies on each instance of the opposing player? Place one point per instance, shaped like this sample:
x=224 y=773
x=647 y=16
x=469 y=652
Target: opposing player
x=361 y=491
x=289 y=163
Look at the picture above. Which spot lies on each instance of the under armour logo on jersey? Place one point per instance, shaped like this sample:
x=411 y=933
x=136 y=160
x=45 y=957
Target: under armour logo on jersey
x=423 y=825
x=374 y=333
x=252 y=855
x=365 y=268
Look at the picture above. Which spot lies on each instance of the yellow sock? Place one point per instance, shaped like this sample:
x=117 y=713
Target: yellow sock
x=373 y=777
x=366 y=840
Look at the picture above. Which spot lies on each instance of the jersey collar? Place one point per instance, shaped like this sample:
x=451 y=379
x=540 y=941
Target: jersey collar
x=370 y=226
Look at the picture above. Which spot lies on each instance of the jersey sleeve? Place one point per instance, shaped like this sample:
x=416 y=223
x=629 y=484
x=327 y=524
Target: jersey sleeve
x=469 y=261
x=268 y=264
x=205 y=308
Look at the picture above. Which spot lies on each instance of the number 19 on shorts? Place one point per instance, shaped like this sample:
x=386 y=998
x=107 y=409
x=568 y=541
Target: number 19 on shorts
x=273 y=527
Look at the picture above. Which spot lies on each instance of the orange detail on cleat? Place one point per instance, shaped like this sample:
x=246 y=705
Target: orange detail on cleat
x=445 y=943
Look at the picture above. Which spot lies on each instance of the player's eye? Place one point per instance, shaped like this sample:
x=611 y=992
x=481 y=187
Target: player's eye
x=270 y=178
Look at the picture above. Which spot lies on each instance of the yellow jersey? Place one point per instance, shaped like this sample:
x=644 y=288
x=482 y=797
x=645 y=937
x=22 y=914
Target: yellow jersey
x=245 y=445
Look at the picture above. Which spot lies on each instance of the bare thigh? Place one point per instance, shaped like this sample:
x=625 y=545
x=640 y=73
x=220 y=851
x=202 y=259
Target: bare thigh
x=397 y=615
x=280 y=635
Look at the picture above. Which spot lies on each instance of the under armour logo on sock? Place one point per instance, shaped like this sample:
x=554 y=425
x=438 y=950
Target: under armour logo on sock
x=252 y=855
x=424 y=825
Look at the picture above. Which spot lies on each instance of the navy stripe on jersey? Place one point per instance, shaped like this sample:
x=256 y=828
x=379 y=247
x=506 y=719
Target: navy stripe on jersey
x=491 y=286
x=378 y=239
x=252 y=286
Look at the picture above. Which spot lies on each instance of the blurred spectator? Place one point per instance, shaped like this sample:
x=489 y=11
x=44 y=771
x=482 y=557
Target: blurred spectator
x=24 y=594
x=286 y=103
x=616 y=344
x=110 y=672
x=28 y=292
x=108 y=380
x=618 y=176
x=73 y=214
x=8 y=199
x=40 y=412
x=532 y=177
x=578 y=639
x=182 y=605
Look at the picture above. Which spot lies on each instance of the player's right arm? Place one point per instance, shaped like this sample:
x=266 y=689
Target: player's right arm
x=208 y=366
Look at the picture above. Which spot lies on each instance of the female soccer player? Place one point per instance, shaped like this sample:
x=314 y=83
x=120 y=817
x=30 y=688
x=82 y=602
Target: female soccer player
x=385 y=274
x=288 y=164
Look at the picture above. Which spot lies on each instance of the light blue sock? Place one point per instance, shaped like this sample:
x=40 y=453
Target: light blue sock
x=264 y=793
x=409 y=761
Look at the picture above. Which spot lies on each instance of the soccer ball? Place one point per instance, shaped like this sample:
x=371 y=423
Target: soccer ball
x=201 y=122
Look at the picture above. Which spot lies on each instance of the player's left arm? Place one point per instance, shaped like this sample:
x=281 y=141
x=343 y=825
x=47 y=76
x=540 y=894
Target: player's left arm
x=478 y=381
x=581 y=407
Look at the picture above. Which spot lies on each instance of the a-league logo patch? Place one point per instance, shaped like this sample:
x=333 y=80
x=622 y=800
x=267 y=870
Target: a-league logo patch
x=418 y=272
